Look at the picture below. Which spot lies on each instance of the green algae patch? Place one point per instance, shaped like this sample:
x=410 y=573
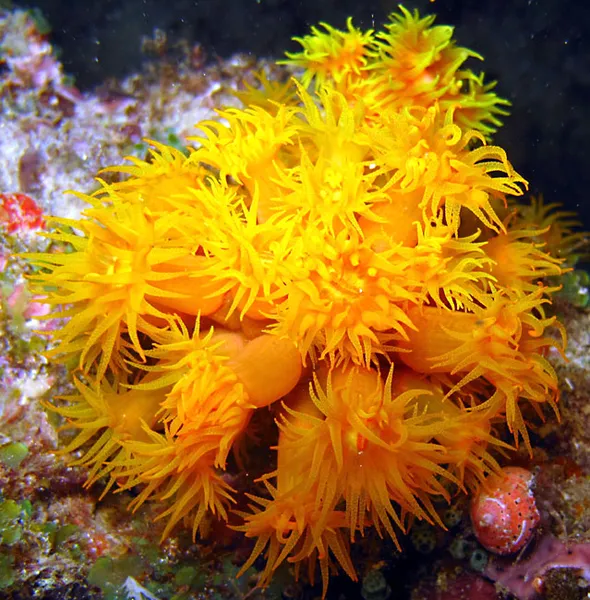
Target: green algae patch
x=575 y=288
x=11 y=516
x=190 y=576
x=109 y=574
x=13 y=454
x=7 y=574
x=63 y=534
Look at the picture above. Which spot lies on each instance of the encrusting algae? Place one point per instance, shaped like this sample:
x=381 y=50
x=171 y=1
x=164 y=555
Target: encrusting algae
x=347 y=250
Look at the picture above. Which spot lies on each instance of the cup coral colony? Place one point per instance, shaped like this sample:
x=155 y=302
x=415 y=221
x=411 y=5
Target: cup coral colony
x=345 y=253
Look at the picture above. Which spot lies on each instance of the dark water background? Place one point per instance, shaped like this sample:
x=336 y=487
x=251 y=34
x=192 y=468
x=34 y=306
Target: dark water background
x=538 y=50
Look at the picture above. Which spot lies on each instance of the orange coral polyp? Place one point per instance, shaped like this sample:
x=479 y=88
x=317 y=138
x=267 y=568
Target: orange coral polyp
x=217 y=380
x=190 y=291
x=465 y=434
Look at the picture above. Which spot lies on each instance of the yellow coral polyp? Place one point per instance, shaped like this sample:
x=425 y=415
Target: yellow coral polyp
x=450 y=271
x=342 y=296
x=109 y=282
x=416 y=63
x=350 y=261
x=518 y=263
x=111 y=416
x=268 y=94
x=166 y=173
x=246 y=148
x=252 y=259
x=412 y=63
x=169 y=471
x=419 y=58
x=329 y=192
x=427 y=151
x=290 y=527
x=332 y=55
x=331 y=183
x=493 y=343
x=555 y=229
x=479 y=107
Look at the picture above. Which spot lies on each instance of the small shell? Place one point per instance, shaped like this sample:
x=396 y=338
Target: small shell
x=504 y=513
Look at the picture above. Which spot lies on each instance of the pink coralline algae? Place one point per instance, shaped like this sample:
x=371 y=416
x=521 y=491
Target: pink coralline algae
x=20 y=216
x=504 y=513
x=525 y=579
x=19 y=301
x=27 y=53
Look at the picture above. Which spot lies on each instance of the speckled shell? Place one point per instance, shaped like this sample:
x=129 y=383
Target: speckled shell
x=504 y=514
